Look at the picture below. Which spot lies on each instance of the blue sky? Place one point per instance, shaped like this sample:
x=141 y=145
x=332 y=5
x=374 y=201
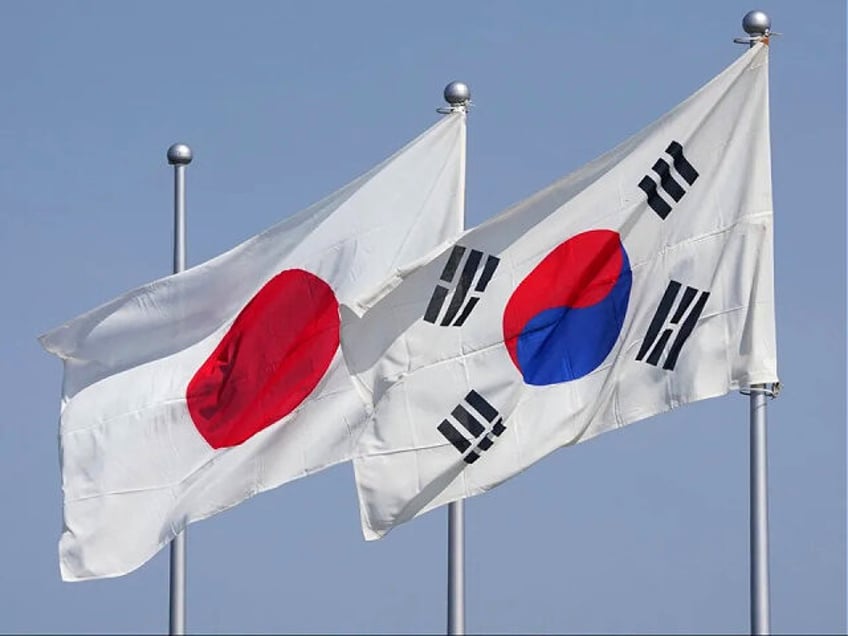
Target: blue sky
x=642 y=530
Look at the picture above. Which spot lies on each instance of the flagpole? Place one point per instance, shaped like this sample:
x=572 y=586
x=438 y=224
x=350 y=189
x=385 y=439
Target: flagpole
x=458 y=96
x=179 y=156
x=757 y=24
x=759 y=513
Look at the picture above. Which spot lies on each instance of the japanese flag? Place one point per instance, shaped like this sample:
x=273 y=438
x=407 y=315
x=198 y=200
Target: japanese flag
x=190 y=394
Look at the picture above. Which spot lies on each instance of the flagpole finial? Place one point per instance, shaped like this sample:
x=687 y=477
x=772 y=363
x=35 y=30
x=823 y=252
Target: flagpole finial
x=458 y=95
x=179 y=155
x=756 y=23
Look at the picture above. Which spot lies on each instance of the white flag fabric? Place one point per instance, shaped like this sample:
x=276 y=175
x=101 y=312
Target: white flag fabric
x=190 y=394
x=639 y=283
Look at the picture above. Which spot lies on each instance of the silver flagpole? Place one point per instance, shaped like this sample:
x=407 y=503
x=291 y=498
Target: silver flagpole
x=458 y=97
x=759 y=513
x=757 y=24
x=179 y=156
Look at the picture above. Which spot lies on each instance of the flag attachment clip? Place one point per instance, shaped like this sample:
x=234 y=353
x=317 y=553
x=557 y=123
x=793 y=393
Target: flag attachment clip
x=771 y=390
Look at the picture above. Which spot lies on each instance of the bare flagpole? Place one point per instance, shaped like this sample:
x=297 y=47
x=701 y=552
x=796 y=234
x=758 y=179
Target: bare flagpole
x=757 y=25
x=179 y=156
x=458 y=96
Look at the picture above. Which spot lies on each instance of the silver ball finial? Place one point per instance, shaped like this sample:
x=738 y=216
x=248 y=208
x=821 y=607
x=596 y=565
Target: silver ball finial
x=179 y=154
x=756 y=23
x=457 y=93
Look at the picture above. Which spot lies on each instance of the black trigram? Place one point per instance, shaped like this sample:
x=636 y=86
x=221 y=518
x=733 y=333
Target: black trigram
x=480 y=420
x=656 y=342
x=668 y=183
x=464 y=298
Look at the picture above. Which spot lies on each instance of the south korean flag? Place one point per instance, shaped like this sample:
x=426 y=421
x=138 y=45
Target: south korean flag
x=640 y=283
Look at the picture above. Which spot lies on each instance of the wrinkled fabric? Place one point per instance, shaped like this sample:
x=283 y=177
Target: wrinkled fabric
x=171 y=391
x=636 y=286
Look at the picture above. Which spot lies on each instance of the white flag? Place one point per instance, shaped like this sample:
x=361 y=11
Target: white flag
x=190 y=394
x=637 y=284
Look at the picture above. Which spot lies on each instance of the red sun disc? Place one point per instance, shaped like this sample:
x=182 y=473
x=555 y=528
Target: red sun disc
x=269 y=361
